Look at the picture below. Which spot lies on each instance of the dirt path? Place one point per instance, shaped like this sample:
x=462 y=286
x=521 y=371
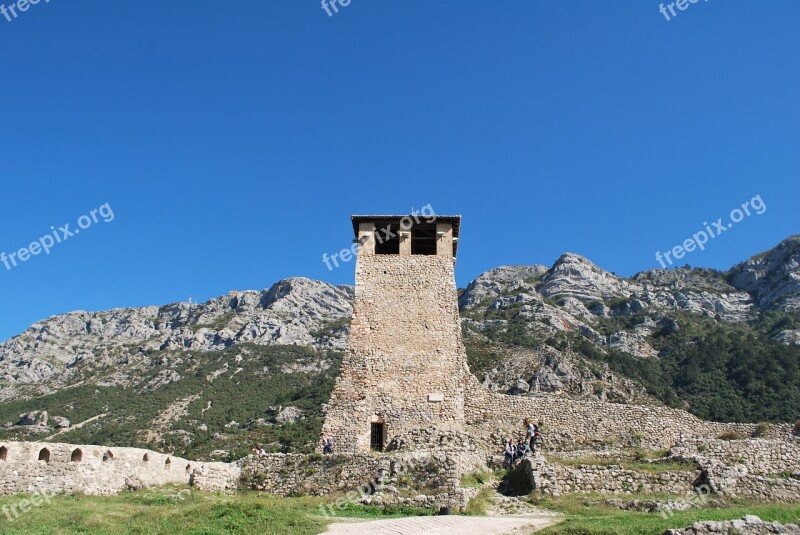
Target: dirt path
x=445 y=525
x=76 y=426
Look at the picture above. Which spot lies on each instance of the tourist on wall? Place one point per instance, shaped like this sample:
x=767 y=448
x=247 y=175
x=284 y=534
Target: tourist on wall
x=530 y=429
x=327 y=443
x=508 y=457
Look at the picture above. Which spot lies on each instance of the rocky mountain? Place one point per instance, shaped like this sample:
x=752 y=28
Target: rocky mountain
x=578 y=330
x=62 y=350
x=257 y=365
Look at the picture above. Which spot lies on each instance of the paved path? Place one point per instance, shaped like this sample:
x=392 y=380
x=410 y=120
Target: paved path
x=444 y=525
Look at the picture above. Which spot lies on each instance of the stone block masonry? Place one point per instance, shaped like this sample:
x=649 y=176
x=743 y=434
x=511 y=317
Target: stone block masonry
x=759 y=456
x=405 y=365
x=423 y=479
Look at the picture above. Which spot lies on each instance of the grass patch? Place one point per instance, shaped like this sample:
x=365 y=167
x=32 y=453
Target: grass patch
x=182 y=510
x=478 y=505
x=475 y=479
x=584 y=519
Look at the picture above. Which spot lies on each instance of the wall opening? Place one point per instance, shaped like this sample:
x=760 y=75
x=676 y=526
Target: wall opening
x=376 y=436
x=188 y=468
x=76 y=456
x=108 y=456
x=167 y=463
x=423 y=239
x=44 y=455
x=387 y=241
x=145 y=458
x=3 y=453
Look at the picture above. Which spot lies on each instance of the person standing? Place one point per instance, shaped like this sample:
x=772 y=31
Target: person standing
x=327 y=444
x=530 y=430
x=508 y=454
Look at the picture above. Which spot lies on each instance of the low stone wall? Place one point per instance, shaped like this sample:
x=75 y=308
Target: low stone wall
x=617 y=480
x=27 y=467
x=425 y=479
x=216 y=477
x=555 y=479
x=767 y=489
x=574 y=423
x=759 y=456
x=749 y=525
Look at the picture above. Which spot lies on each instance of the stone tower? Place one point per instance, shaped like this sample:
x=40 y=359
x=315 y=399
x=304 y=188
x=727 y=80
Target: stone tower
x=405 y=365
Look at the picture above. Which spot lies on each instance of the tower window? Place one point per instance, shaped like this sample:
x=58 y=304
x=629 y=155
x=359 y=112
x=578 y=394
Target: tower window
x=44 y=455
x=376 y=436
x=387 y=240
x=423 y=239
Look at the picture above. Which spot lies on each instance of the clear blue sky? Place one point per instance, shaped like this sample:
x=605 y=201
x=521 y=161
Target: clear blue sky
x=233 y=140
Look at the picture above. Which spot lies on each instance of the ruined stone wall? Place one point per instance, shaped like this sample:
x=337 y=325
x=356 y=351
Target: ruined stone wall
x=572 y=423
x=97 y=470
x=405 y=363
x=554 y=478
x=758 y=456
x=618 y=480
x=424 y=479
x=767 y=489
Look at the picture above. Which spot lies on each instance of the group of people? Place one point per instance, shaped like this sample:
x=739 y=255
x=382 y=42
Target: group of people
x=512 y=452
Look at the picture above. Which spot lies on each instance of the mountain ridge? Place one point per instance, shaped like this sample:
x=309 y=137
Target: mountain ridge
x=572 y=329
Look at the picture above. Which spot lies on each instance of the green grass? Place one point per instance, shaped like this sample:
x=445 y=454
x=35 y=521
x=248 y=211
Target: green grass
x=478 y=505
x=583 y=519
x=181 y=510
x=475 y=479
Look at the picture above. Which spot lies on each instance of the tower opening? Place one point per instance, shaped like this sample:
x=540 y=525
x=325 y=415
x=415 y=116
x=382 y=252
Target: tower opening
x=423 y=239
x=44 y=455
x=76 y=456
x=3 y=453
x=387 y=241
x=376 y=436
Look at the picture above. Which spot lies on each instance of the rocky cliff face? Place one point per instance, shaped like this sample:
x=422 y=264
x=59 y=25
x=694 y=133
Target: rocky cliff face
x=773 y=277
x=540 y=309
x=59 y=351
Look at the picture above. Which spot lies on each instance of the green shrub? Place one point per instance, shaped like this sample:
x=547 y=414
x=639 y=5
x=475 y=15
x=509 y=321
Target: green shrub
x=762 y=430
